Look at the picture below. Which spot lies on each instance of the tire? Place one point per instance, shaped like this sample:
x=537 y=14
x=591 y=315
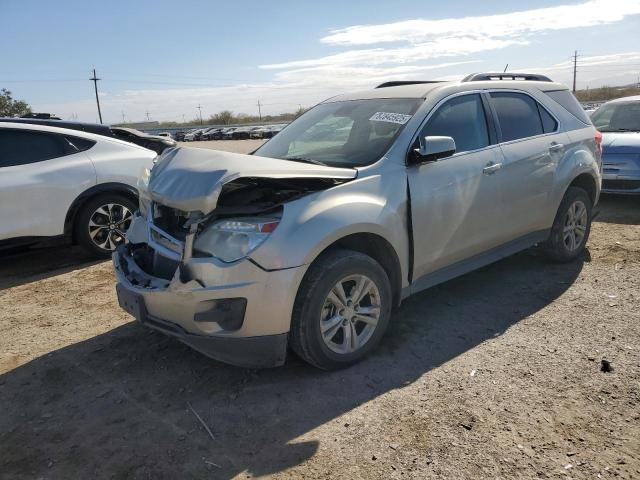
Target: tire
x=88 y=231
x=315 y=311
x=569 y=234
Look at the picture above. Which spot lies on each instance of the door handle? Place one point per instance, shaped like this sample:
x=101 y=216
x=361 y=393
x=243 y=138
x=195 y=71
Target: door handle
x=491 y=168
x=554 y=147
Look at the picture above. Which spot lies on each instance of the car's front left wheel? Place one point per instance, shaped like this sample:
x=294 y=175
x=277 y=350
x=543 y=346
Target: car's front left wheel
x=102 y=223
x=341 y=311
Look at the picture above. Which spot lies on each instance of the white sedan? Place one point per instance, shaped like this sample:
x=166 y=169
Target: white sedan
x=57 y=182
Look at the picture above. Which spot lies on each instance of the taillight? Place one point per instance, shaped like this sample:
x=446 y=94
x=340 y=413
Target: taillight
x=599 y=142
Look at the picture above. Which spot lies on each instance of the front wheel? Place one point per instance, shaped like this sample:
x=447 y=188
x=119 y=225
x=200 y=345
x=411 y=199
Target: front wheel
x=102 y=223
x=341 y=311
x=571 y=227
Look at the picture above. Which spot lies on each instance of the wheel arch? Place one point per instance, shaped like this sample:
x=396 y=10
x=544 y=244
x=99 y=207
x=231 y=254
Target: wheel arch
x=78 y=203
x=377 y=248
x=587 y=182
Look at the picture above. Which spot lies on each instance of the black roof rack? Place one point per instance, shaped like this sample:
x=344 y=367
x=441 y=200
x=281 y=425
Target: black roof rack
x=479 y=77
x=398 y=83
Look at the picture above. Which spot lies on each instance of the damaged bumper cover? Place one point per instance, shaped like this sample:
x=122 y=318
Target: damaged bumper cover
x=213 y=307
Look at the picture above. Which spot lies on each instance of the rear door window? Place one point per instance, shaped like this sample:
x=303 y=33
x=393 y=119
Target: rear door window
x=518 y=115
x=21 y=147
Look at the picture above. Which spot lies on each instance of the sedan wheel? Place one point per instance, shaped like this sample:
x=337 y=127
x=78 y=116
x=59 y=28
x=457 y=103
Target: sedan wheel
x=108 y=225
x=101 y=224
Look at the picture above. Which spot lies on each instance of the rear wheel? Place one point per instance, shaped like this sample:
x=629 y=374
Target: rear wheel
x=102 y=223
x=571 y=226
x=341 y=311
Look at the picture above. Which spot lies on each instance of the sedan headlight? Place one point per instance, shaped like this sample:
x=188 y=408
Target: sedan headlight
x=235 y=238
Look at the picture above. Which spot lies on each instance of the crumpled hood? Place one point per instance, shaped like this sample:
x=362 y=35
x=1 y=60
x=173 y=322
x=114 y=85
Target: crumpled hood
x=191 y=179
x=623 y=142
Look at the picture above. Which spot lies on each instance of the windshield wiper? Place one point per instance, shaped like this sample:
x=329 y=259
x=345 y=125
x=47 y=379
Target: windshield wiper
x=305 y=160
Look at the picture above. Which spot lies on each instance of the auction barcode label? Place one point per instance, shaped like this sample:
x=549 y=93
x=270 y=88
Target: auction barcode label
x=399 y=118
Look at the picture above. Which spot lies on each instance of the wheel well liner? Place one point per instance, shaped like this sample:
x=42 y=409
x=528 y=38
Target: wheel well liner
x=587 y=183
x=381 y=251
x=111 y=187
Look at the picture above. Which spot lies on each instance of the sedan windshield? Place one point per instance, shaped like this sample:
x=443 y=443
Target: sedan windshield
x=343 y=134
x=617 y=117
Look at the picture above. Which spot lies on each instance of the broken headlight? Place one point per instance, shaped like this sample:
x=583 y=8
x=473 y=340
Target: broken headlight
x=234 y=238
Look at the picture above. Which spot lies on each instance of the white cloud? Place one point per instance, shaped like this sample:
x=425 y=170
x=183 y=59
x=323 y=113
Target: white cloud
x=595 y=12
x=370 y=54
x=423 y=39
x=443 y=47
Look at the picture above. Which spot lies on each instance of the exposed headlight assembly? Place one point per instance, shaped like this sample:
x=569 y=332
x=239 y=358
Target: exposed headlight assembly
x=235 y=238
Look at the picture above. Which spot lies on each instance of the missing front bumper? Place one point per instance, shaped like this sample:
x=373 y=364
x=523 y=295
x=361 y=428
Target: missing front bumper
x=249 y=352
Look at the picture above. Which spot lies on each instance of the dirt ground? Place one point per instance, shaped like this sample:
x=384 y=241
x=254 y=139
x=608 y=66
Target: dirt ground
x=495 y=374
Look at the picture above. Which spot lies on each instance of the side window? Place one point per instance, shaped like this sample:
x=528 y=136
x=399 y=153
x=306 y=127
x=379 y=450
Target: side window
x=80 y=144
x=549 y=123
x=517 y=114
x=463 y=119
x=21 y=147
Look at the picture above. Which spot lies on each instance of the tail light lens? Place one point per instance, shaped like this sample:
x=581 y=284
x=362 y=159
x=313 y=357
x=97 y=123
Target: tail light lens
x=599 y=142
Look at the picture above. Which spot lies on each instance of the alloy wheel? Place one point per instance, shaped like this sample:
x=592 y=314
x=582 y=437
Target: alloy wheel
x=350 y=314
x=575 y=226
x=108 y=225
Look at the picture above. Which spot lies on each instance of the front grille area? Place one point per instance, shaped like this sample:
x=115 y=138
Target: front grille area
x=620 y=184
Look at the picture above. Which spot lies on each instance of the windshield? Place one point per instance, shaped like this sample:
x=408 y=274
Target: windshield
x=618 y=117
x=343 y=134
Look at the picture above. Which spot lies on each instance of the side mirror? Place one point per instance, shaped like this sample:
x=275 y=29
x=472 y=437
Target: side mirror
x=433 y=149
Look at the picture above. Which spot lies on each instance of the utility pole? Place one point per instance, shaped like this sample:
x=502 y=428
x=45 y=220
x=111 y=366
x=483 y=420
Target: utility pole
x=95 y=79
x=123 y=119
x=200 y=110
x=147 y=114
x=505 y=68
x=259 y=110
x=575 y=69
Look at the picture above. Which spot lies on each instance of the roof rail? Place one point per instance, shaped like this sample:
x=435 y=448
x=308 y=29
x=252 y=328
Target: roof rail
x=478 y=77
x=398 y=83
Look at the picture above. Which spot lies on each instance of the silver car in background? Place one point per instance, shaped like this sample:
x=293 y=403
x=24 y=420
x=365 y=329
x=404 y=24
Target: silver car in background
x=362 y=201
x=619 y=123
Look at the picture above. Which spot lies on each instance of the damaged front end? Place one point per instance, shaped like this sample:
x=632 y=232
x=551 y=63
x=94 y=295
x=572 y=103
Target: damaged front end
x=186 y=267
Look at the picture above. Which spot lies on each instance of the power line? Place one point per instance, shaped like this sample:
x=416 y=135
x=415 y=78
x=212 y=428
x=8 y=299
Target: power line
x=575 y=68
x=95 y=79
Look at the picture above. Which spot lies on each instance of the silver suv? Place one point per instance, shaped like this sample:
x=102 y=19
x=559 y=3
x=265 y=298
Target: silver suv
x=364 y=200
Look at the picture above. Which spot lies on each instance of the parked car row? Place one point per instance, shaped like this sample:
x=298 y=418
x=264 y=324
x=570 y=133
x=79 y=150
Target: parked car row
x=229 y=133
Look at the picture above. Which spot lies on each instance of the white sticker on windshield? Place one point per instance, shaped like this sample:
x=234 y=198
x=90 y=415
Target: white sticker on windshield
x=399 y=118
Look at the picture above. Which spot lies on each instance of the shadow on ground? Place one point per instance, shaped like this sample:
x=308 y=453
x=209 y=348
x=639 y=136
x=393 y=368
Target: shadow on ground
x=620 y=209
x=27 y=265
x=117 y=405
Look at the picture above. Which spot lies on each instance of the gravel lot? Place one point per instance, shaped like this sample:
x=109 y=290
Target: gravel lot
x=494 y=374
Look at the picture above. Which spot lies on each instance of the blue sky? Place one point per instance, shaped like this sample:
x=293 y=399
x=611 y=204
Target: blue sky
x=166 y=57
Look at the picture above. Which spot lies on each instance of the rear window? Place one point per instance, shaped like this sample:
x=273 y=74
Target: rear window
x=81 y=144
x=569 y=102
